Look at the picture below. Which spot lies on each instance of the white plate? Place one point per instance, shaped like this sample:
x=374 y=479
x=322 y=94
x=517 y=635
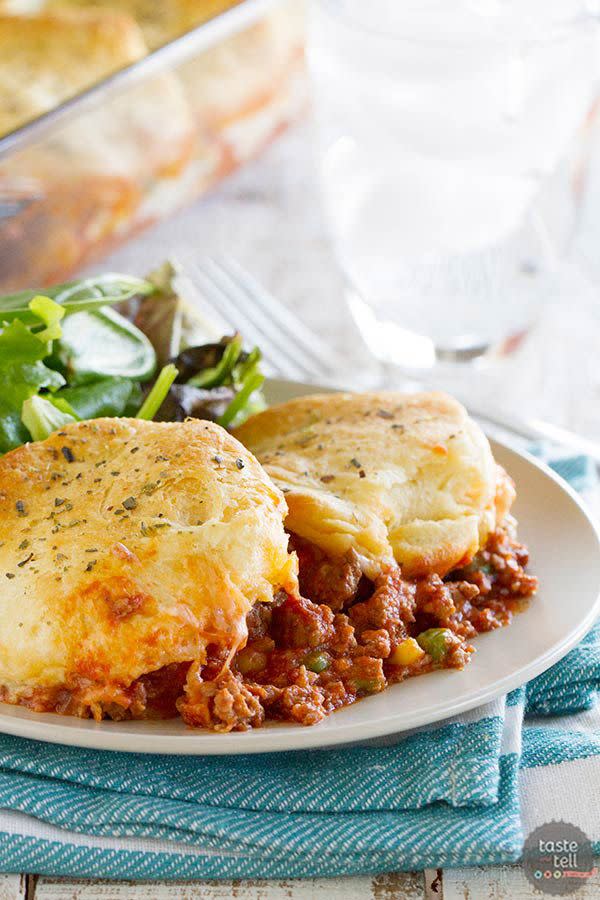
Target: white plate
x=565 y=555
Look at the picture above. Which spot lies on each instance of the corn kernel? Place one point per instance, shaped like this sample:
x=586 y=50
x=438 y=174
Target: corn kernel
x=406 y=653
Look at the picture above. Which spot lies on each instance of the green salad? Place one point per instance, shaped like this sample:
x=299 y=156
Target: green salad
x=115 y=345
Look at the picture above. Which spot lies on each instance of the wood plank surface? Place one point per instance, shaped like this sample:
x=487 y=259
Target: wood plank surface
x=394 y=886
x=503 y=883
x=13 y=887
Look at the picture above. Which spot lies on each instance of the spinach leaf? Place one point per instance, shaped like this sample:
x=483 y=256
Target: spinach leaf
x=106 y=397
x=75 y=296
x=12 y=431
x=101 y=343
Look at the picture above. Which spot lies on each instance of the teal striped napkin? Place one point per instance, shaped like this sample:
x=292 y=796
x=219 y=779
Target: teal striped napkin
x=462 y=793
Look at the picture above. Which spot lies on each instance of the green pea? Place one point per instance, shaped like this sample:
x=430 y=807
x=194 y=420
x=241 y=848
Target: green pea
x=249 y=660
x=436 y=642
x=317 y=661
x=367 y=685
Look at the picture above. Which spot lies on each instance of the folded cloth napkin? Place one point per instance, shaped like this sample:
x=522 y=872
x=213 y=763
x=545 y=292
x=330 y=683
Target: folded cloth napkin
x=463 y=792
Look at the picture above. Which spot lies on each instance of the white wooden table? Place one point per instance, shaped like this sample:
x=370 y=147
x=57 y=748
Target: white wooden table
x=268 y=217
x=497 y=883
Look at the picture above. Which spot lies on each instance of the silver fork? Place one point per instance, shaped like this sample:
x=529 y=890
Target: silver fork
x=232 y=300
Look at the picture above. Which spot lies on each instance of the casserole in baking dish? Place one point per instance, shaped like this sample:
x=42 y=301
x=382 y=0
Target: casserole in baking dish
x=138 y=149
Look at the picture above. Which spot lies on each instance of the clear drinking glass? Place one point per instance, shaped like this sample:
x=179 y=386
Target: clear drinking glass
x=452 y=142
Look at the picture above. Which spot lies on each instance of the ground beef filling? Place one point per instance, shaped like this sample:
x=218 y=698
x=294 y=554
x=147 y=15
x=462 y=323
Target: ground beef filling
x=307 y=657
x=344 y=638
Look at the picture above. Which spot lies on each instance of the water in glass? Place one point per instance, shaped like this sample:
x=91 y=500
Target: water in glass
x=451 y=142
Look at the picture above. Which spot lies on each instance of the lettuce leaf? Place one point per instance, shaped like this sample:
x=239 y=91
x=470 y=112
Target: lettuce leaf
x=22 y=374
x=41 y=417
x=50 y=313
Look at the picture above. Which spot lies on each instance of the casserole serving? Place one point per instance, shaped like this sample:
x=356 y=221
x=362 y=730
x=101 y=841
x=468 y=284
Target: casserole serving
x=148 y=572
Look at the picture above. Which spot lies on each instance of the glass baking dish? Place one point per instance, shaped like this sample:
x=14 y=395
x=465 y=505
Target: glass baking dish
x=86 y=175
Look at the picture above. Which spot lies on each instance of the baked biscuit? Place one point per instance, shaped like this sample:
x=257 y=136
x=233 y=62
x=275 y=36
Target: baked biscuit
x=126 y=549
x=390 y=476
